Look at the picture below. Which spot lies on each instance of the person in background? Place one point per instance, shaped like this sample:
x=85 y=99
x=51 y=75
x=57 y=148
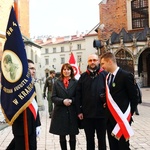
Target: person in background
x=121 y=95
x=90 y=100
x=18 y=142
x=139 y=98
x=64 y=116
x=49 y=86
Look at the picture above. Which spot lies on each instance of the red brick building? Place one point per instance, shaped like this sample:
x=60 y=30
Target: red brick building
x=124 y=30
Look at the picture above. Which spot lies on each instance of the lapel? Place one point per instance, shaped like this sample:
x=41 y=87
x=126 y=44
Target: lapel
x=116 y=80
x=71 y=83
x=117 y=77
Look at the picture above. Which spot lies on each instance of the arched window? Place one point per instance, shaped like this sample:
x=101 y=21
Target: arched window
x=124 y=60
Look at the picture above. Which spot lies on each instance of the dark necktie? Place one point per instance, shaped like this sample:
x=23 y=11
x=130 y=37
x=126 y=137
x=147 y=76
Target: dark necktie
x=111 y=80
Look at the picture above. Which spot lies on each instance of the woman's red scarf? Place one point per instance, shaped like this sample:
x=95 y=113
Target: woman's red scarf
x=66 y=82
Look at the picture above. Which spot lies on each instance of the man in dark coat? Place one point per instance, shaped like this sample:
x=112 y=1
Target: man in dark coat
x=90 y=99
x=121 y=98
x=18 y=142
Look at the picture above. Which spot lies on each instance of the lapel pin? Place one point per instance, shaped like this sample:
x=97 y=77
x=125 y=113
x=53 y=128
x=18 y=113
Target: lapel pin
x=113 y=85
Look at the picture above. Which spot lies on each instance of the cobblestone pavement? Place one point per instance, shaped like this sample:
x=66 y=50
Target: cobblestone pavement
x=47 y=141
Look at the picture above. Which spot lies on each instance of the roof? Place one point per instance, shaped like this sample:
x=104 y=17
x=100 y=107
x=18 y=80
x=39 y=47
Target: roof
x=140 y=35
x=27 y=40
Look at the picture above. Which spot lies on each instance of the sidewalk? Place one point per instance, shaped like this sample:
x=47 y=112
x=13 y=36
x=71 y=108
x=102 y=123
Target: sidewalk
x=47 y=141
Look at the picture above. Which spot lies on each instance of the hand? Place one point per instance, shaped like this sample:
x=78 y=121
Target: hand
x=80 y=116
x=67 y=102
x=38 y=131
x=44 y=95
x=104 y=105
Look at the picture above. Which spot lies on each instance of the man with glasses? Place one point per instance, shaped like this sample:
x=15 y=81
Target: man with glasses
x=90 y=98
x=18 y=142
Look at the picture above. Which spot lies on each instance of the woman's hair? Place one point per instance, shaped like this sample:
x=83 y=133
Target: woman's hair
x=68 y=66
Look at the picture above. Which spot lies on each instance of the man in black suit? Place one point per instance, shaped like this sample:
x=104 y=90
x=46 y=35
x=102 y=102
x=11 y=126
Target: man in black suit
x=18 y=142
x=121 y=101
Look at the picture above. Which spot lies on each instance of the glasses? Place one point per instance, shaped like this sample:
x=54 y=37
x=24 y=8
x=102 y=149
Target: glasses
x=32 y=68
x=90 y=60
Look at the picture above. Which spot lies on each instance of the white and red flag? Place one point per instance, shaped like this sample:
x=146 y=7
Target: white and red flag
x=74 y=65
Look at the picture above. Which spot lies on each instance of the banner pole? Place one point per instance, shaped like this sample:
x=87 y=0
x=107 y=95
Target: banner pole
x=25 y=130
x=25 y=111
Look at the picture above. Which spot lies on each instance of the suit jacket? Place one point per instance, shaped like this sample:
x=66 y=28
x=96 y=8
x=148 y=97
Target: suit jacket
x=123 y=92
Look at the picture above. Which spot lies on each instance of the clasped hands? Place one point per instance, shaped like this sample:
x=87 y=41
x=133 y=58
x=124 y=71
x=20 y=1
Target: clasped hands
x=67 y=102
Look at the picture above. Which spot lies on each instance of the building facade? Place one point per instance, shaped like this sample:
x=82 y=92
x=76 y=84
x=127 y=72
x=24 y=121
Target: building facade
x=56 y=51
x=124 y=30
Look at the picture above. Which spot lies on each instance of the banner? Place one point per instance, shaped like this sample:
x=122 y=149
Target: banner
x=73 y=63
x=17 y=90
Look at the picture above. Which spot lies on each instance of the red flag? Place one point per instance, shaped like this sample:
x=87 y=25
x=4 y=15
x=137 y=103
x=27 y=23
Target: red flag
x=73 y=63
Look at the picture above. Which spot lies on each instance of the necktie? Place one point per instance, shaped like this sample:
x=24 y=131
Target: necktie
x=111 y=80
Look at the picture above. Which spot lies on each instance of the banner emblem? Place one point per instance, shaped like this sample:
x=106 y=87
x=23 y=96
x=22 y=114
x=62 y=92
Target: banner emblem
x=11 y=66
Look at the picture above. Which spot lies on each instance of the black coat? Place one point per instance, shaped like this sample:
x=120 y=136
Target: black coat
x=64 y=119
x=18 y=125
x=90 y=95
x=123 y=93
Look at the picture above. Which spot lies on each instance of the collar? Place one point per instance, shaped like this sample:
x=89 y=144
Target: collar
x=115 y=72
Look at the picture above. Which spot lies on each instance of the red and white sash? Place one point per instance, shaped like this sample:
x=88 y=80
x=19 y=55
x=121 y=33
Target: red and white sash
x=122 y=127
x=34 y=108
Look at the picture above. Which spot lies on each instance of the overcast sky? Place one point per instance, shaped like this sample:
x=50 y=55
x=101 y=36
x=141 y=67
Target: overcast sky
x=62 y=17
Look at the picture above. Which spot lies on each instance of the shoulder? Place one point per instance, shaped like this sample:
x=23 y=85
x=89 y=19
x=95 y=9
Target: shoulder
x=103 y=72
x=74 y=80
x=84 y=74
x=47 y=78
x=126 y=75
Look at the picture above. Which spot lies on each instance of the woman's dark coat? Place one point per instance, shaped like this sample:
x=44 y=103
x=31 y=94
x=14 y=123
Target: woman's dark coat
x=64 y=119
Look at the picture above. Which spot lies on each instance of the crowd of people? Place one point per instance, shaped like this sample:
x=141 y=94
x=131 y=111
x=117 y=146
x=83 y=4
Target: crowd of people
x=104 y=99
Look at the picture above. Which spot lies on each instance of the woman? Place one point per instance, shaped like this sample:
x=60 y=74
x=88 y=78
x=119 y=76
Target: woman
x=64 y=117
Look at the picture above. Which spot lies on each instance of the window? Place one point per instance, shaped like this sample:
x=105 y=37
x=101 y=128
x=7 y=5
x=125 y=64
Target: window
x=31 y=54
x=62 y=49
x=46 y=50
x=54 y=50
x=79 y=59
x=46 y=61
x=78 y=46
x=62 y=60
x=54 y=59
x=139 y=13
x=35 y=58
x=125 y=60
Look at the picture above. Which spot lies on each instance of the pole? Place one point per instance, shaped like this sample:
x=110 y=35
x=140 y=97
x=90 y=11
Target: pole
x=25 y=130
x=16 y=8
x=25 y=111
